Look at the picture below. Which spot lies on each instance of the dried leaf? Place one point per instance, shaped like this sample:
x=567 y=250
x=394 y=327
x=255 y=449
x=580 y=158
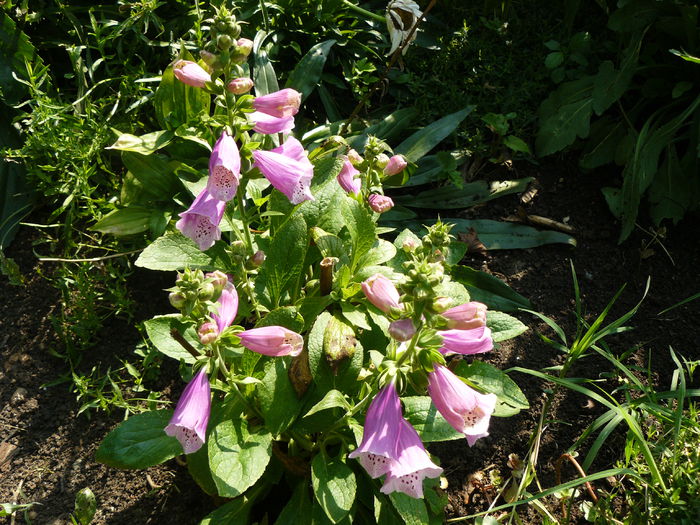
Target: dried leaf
x=474 y=245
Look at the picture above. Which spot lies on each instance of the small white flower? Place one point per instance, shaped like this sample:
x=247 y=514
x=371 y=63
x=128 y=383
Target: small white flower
x=401 y=16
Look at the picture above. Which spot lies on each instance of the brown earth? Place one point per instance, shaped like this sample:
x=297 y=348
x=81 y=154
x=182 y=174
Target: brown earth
x=54 y=451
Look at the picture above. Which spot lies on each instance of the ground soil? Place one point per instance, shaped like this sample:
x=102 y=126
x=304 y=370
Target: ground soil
x=54 y=450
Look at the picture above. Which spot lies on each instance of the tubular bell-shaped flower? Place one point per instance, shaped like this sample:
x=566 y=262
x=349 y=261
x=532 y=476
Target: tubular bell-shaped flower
x=475 y=341
x=267 y=124
x=411 y=466
x=189 y=422
x=224 y=168
x=272 y=341
x=288 y=169
x=381 y=292
x=282 y=103
x=380 y=203
x=396 y=164
x=467 y=410
x=383 y=422
x=227 y=307
x=200 y=222
x=348 y=179
x=401 y=16
x=466 y=316
x=190 y=73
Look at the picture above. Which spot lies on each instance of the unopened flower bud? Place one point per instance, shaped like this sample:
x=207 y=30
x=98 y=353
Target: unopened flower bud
x=206 y=291
x=208 y=58
x=190 y=73
x=380 y=203
x=223 y=42
x=257 y=259
x=381 y=160
x=219 y=279
x=396 y=164
x=355 y=158
x=208 y=333
x=440 y=304
x=402 y=330
x=409 y=245
x=177 y=300
x=243 y=48
x=239 y=86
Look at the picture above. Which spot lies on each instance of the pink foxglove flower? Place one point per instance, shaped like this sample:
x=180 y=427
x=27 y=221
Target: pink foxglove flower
x=467 y=410
x=348 y=178
x=282 y=103
x=208 y=333
x=272 y=340
x=475 y=341
x=466 y=316
x=227 y=307
x=380 y=203
x=288 y=169
x=396 y=164
x=190 y=73
x=268 y=125
x=380 y=438
x=355 y=158
x=411 y=466
x=224 y=168
x=201 y=221
x=381 y=292
x=189 y=422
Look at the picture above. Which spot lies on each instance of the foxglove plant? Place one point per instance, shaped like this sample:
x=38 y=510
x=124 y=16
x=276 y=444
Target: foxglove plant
x=323 y=344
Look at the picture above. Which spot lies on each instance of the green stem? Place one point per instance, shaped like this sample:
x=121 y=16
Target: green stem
x=250 y=290
x=244 y=220
x=266 y=19
x=368 y=14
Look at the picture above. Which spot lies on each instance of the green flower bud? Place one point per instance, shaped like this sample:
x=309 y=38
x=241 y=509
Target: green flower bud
x=177 y=300
x=224 y=42
x=206 y=291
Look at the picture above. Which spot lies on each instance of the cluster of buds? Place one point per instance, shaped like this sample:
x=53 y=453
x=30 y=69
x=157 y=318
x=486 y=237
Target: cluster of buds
x=194 y=290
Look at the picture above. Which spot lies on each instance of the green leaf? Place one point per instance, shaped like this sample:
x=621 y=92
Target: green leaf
x=610 y=84
x=237 y=456
x=430 y=425
x=503 y=326
x=173 y=251
x=511 y=399
x=285 y=260
x=633 y=16
x=564 y=116
x=334 y=486
x=158 y=330
x=516 y=144
x=139 y=442
x=17 y=54
x=153 y=172
x=489 y=290
x=15 y=195
x=421 y=142
x=297 y=511
x=449 y=197
x=125 y=221
x=176 y=103
x=144 y=144
x=603 y=141
x=307 y=73
x=264 y=76
x=380 y=253
x=329 y=336
x=361 y=228
x=454 y=290
x=412 y=510
x=286 y=316
x=389 y=128
x=234 y=512
x=332 y=399
x=278 y=400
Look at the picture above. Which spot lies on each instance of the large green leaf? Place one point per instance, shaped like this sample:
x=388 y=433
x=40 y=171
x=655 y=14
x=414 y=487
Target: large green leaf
x=264 y=75
x=430 y=425
x=144 y=144
x=139 y=442
x=237 y=456
x=489 y=290
x=361 y=227
x=176 y=103
x=450 y=197
x=278 y=400
x=306 y=74
x=389 y=128
x=297 y=511
x=334 y=485
x=16 y=54
x=159 y=329
x=285 y=260
x=421 y=142
x=153 y=172
x=504 y=326
x=174 y=251
x=234 y=512
x=125 y=221
x=412 y=510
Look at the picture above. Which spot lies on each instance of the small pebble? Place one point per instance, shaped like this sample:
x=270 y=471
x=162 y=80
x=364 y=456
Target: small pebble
x=19 y=396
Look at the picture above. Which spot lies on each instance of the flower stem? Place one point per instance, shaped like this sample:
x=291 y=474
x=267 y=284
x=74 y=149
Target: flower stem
x=368 y=14
x=244 y=220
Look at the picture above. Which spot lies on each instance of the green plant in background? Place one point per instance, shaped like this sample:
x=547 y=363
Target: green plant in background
x=640 y=109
